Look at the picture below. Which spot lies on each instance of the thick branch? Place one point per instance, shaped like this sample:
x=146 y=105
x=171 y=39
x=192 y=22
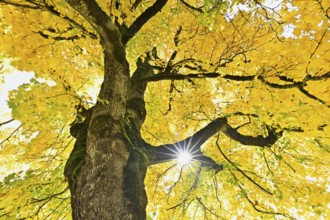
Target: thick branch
x=160 y=77
x=239 y=78
x=278 y=86
x=102 y=24
x=193 y=143
x=135 y=107
x=58 y=38
x=292 y=84
x=116 y=71
x=250 y=140
x=143 y=19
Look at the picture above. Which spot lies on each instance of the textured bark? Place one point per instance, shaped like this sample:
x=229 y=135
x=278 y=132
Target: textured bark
x=73 y=165
x=110 y=184
x=100 y=185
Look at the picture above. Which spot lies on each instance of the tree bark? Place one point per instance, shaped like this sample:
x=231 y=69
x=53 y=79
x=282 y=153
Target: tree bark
x=100 y=190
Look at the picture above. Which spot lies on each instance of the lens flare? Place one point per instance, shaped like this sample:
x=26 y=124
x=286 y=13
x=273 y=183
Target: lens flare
x=184 y=157
x=183 y=152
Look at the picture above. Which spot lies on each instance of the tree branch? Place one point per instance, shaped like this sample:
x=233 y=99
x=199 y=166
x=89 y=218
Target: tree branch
x=19 y=5
x=278 y=86
x=53 y=10
x=58 y=38
x=193 y=143
x=292 y=84
x=11 y=134
x=306 y=93
x=34 y=200
x=319 y=144
x=143 y=19
x=169 y=65
x=33 y=5
x=172 y=76
x=259 y=140
x=102 y=24
x=241 y=171
x=191 y=7
x=317 y=78
x=6 y=122
x=239 y=78
x=135 y=4
x=114 y=88
x=205 y=208
x=256 y=206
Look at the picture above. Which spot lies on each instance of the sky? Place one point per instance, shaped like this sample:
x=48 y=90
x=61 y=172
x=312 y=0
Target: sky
x=10 y=78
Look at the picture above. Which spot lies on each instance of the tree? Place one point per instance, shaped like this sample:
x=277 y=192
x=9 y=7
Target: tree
x=240 y=87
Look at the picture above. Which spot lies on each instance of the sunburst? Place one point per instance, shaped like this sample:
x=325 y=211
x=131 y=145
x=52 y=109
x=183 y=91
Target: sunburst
x=183 y=157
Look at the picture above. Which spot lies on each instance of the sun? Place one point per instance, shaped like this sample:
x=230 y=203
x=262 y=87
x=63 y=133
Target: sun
x=183 y=153
x=184 y=157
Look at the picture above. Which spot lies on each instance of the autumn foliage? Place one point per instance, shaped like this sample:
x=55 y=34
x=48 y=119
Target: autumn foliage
x=260 y=67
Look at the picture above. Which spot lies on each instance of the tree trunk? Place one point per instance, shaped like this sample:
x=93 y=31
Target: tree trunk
x=106 y=173
x=106 y=168
x=110 y=184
